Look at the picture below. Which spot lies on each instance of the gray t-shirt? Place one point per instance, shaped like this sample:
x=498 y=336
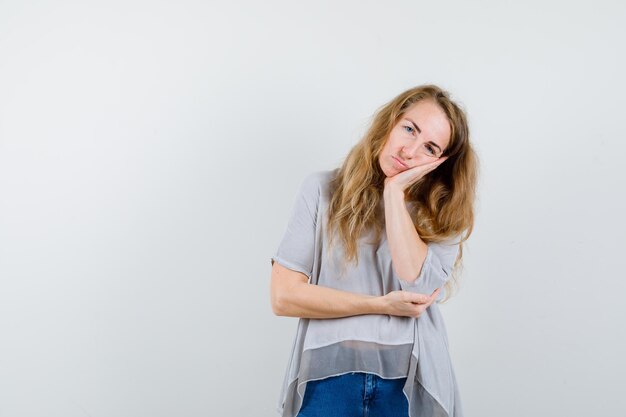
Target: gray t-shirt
x=385 y=345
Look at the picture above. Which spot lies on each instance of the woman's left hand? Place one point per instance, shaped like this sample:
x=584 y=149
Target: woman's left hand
x=404 y=179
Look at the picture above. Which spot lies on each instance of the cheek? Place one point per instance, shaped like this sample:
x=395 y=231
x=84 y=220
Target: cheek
x=394 y=143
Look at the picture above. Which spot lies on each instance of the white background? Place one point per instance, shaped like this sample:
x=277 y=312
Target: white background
x=149 y=157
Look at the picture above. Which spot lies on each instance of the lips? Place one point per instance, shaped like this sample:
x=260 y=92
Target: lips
x=400 y=163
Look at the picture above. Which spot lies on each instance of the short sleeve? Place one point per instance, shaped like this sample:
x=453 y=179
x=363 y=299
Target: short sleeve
x=436 y=269
x=297 y=247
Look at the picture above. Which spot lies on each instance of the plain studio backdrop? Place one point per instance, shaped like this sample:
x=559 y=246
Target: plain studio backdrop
x=150 y=153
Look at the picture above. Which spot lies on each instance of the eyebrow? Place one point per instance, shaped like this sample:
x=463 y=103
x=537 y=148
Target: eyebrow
x=420 y=131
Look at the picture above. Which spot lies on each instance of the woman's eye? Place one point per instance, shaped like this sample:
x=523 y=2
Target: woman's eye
x=409 y=129
x=430 y=149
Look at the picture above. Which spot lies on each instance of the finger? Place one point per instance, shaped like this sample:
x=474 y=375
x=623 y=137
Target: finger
x=435 y=295
x=427 y=299
x=419 y=298
x=431 y=166
x=440 y=161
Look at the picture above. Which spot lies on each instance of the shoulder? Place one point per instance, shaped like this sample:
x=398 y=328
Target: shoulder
x=317 y=182
x=312 y=192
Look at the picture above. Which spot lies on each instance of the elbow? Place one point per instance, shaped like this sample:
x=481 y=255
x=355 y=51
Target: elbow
x=280 y=304
x=278 y=309
x=277 y=304
x=283 y=305
x=284 y=285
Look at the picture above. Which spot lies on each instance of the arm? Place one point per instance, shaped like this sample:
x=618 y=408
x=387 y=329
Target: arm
x=293 y=296
x=419 y=267
x=408 y=250
x=292 y=264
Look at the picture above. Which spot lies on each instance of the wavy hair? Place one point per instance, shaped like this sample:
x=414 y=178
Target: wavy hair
x=443 y=199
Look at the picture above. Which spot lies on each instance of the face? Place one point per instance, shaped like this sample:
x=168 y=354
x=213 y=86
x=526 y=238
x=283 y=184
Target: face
x=420 y=137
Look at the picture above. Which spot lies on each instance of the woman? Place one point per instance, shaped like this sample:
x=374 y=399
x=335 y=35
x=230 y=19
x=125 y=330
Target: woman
x=369 y=248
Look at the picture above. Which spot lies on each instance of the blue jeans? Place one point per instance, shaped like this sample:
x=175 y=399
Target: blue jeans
x=355 y=394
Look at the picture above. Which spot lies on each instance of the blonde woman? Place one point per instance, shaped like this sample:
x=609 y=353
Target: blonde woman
x=371 y=248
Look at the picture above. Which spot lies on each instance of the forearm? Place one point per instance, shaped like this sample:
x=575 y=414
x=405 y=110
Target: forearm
x=408 y=251
x=314 y=301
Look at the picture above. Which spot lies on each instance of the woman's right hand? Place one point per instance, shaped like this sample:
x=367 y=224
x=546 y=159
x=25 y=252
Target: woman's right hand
x=408 y=304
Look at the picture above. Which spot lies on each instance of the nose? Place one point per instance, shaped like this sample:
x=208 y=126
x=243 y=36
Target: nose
x=412 y=150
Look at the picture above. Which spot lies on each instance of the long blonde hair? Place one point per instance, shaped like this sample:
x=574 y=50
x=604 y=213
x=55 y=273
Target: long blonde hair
x=443 y=199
